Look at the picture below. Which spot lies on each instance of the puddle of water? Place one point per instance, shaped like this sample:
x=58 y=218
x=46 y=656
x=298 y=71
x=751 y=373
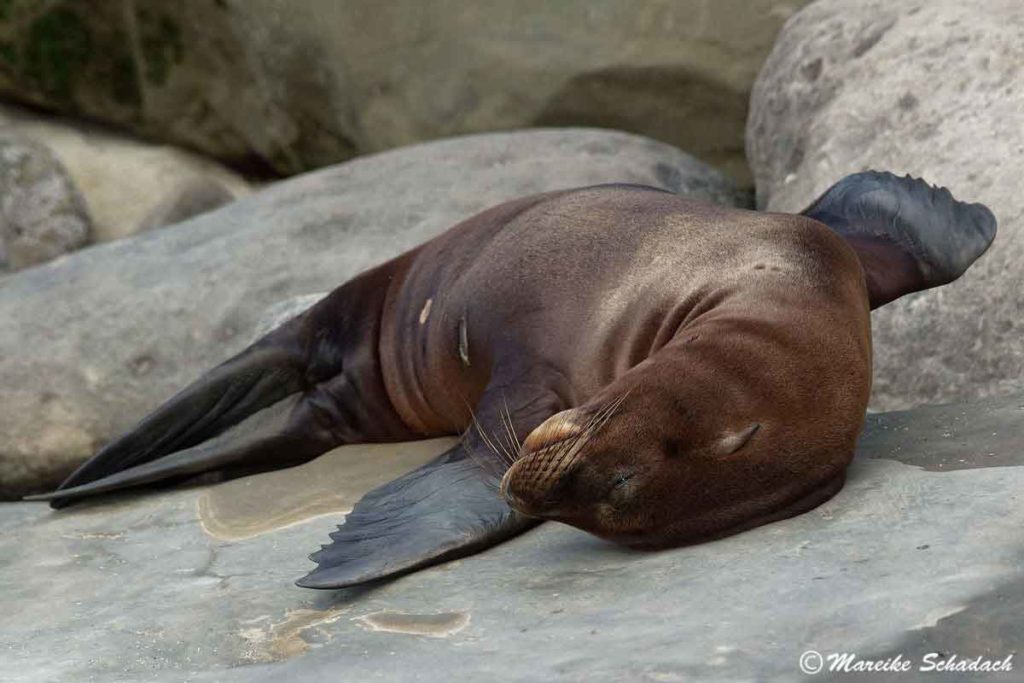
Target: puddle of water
x=331 y=484
x=439 y=625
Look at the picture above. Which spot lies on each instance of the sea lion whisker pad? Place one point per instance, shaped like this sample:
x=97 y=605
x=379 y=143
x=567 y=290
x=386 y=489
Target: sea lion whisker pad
x=648 y=368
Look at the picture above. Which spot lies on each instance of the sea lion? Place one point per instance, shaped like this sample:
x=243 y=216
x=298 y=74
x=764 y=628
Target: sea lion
x=648 y=368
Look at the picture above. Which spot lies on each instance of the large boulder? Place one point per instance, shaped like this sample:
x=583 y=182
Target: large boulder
x=298 y=85
x=283 y=311
x=919 y=554
x=128 y=185
x=92 y=342
x=42 y=214
x=934 y=89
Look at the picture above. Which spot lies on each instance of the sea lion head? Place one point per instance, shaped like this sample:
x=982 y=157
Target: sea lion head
x=668 y=462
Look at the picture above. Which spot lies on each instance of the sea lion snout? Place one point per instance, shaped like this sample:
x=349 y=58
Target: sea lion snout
x=531 y=489
x=556 y=429
x=561 y=492
x=547 y=457
x=563 y=469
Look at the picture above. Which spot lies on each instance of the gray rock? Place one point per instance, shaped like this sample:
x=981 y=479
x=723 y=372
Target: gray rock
x=189 y=199
x=918 y=553
x=121 y=179
x=42 y=214
x=94 y=342
x=283 y=311
x=927 y=88
x=298 y=85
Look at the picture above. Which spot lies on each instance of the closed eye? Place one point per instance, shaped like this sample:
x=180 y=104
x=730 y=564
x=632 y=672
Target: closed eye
x=622 y=479
x=619 y=492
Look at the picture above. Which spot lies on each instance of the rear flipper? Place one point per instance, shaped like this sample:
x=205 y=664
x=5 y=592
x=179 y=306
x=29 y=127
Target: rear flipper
x=908 y=234
x=256 y=379
x=262 y=439
x=450 y=507
x=309 y=385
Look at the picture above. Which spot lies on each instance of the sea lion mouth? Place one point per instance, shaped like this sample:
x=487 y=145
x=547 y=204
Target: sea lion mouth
x=533 y=483
x=536 y=483
x=543 y=508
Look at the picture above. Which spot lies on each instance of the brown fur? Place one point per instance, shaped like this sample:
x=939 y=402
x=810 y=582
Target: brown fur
x=737 y=345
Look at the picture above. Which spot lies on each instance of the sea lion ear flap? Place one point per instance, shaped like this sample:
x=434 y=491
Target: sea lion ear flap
x=908 y=234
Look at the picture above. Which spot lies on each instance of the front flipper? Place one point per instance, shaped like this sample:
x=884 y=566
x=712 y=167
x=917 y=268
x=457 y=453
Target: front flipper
x=448 y=508
x=908 y=234
x=451 y=507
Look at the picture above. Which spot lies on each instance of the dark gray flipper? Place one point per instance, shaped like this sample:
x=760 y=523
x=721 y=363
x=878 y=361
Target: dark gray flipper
x=309 y=385
x=908 y=234
x=448 y=508
x=259 y=439
x=255 y=379
x=451 y=507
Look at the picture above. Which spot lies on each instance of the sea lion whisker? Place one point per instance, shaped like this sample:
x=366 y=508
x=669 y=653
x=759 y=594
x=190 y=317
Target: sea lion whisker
x=601 y=421
x=500 y=449
x=611 y=409
x=515 y=436
x=506 y=421
x=594 y=424
x=507 y=454
x=507 y=447
x=487 y=465
x=489 y=440
x=485 y=437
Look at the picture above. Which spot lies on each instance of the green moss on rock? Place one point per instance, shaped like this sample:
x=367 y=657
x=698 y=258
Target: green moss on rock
x=161 y=44
x=124 y=75
x=9 y=54
x=57 y=47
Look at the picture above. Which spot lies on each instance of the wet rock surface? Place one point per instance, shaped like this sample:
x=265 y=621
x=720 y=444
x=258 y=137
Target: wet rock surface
x=94 y=342
x=908 y=558
x=933 y=89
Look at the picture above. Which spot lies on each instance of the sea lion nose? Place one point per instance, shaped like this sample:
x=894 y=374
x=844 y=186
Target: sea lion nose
x=547 y=454
x=506 y=491
x=531 y=487
x=518 y=492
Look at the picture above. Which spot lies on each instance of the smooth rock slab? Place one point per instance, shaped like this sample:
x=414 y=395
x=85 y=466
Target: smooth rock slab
x=92 y=342
x=283 y=311
x=906 y=559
